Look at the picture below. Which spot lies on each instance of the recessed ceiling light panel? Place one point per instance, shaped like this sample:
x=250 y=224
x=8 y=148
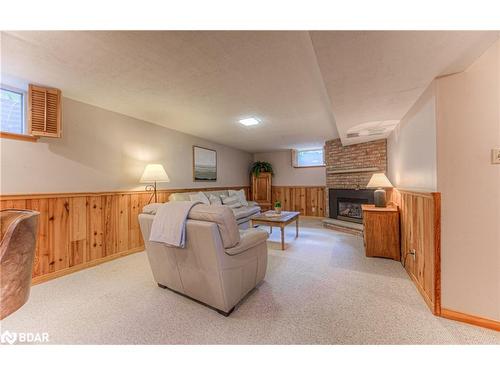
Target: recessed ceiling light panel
x=250 y=121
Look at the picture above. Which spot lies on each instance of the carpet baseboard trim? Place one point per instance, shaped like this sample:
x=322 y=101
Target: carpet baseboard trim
x=470 y=319
x=79 y=267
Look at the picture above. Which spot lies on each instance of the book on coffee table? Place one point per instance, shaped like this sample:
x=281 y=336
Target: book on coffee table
x=272 y=214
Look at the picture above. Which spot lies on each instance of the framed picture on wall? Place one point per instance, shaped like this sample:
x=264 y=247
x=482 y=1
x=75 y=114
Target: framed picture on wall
x=204 y=164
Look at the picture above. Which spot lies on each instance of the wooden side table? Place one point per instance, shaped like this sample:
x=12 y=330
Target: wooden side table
x=381 y=231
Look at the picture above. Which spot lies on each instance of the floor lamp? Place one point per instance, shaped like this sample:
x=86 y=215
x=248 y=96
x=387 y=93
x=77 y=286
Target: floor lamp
x=152 y=174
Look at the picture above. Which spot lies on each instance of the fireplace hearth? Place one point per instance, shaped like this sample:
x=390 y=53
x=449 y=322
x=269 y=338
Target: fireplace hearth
x=345 y=204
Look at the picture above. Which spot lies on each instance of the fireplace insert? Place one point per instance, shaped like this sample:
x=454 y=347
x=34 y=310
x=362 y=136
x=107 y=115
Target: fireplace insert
x=345 y=204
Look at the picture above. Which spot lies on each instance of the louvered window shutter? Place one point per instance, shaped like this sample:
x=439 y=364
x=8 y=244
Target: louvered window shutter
x=44 y=105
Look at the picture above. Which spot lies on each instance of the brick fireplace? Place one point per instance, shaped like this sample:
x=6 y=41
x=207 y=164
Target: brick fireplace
x=348 y=170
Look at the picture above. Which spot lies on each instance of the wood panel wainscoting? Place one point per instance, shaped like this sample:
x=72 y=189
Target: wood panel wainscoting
x=420 y=223
x=81 y=230
x=308 y=200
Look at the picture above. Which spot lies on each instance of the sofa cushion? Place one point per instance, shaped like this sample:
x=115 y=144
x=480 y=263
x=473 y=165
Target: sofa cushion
x=240 y=194
x=185 y=196
x=214 y=200
x=239 y=213
x=223 y=217
x=199 y=197
x=179 y=197
x=243 y=220
x=243 y=212
x=218 y=193
x=232 y=202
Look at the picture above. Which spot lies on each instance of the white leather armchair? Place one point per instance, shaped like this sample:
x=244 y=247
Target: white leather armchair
x=218 y=266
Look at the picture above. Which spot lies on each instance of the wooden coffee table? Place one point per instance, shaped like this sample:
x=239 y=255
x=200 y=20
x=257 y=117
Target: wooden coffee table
x=281 y=221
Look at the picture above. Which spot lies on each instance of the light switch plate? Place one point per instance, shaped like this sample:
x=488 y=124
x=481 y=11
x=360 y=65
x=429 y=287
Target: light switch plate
x=495 y=156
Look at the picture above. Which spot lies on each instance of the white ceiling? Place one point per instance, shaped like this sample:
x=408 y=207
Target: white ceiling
x=199 y=83
x=302 y=86
x=376 y=76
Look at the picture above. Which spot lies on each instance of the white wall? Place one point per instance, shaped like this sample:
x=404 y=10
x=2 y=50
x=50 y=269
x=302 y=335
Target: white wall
x=468 y=117
x=286 y=175
x=444 y=144
x=411 y=148
x=105 y=151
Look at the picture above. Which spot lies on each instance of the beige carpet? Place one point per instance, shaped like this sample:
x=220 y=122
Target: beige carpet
x=321 y=290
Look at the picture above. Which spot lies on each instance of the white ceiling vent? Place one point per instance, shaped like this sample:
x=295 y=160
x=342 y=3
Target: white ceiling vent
x=372 y=129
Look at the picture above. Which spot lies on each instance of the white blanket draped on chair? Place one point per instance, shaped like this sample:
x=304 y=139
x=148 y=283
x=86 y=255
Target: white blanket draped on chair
x=169 y=224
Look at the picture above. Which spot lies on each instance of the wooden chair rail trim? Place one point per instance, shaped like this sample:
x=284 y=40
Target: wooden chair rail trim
x=299 y=186
x=96 y=194
x=417 y=193
x=19 y=137
x=470 y=319
x=93 y=263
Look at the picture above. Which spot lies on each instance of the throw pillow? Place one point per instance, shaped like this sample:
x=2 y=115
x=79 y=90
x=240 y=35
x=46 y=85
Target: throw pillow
x=199 y=197
x=214 y=200
x=231 y=202
x=241 y=196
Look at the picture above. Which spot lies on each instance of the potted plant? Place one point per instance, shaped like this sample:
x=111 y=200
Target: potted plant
x=261 y=166
x=277 y=207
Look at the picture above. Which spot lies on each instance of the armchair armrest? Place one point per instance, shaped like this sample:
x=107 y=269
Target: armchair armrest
x=249 y=238
x=252 y=204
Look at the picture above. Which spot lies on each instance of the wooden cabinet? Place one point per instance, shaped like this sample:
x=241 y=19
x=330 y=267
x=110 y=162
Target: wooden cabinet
x=381 y=231
x=261 y=190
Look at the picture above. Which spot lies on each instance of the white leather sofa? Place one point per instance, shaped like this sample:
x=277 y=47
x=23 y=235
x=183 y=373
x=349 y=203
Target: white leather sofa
x=219 y=265
x=242 y=214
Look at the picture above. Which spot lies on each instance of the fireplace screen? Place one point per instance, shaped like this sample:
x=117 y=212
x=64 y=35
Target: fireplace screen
x=350 y=210
x=345 y=204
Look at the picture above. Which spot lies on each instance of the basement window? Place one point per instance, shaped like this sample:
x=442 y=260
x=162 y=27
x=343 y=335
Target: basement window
x=13 y=115
x=12 y=110
x=308 y=158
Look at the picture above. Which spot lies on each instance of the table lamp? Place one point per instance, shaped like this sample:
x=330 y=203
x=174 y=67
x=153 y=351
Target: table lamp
x=154 y=173
x=380 y=182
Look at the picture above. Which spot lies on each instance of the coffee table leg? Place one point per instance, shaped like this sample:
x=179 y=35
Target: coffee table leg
x=297 y=228
x=282 y=237
x=270 y=229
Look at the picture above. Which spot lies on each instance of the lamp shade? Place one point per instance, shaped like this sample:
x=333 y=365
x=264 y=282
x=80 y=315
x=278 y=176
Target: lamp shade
x=154 y=173
x=379 y=180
